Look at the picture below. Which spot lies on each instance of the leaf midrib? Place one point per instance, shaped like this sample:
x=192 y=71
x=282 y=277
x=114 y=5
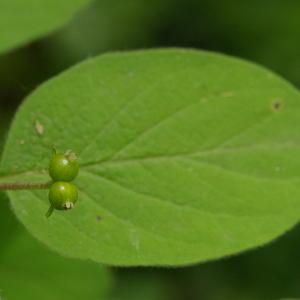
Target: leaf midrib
x=193 y=154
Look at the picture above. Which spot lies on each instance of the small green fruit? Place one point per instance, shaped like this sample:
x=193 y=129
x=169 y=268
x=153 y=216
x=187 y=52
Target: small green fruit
x=64 y=167
x=62 y=196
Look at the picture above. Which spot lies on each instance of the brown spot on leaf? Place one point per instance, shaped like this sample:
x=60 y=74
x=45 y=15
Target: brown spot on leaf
x=98 y=218
x=277 y=105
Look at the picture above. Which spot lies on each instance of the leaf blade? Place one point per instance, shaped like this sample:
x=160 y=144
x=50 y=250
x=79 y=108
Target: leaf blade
x=184 y=157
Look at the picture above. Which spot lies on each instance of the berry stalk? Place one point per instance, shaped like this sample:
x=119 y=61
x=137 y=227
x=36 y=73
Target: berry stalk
x=24 y=185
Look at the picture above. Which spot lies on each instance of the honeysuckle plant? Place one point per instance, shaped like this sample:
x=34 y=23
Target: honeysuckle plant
x=184 y=155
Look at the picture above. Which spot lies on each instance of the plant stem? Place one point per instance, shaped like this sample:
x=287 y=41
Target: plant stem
x=24 y=185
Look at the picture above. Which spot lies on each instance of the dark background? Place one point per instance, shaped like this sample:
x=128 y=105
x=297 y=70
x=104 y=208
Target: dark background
x=263 y=31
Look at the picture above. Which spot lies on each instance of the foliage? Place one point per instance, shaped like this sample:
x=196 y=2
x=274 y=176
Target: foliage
x=185 y=156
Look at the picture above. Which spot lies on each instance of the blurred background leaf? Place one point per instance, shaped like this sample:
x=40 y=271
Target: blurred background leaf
x=23 y=21
x=137 y=284
x=28 y=269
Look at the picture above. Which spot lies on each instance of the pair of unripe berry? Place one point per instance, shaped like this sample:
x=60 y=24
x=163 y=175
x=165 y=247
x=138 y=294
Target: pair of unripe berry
x=63 y=169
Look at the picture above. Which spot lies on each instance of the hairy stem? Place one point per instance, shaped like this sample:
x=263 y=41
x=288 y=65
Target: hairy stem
x=24 y=185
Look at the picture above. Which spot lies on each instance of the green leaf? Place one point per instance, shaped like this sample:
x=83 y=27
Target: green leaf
x=142 y=283
x=185 y=156
x=8 y=228
x=27 y=269
x=23 y=21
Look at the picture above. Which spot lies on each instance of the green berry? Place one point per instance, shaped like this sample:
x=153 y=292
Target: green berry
x=64 y=167
x=62 y=196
